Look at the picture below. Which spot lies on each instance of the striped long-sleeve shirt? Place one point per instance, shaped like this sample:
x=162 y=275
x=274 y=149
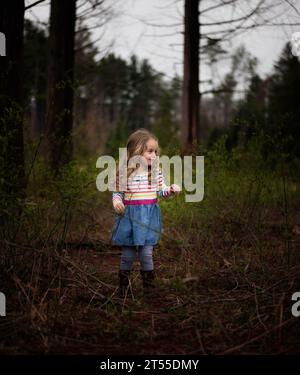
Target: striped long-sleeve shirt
x=139 y=190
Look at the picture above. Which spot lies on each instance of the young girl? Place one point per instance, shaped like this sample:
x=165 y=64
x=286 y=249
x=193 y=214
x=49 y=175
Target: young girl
x=138 y=225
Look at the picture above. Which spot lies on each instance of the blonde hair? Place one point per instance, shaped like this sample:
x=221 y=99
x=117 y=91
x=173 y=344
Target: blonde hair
x=136 y=145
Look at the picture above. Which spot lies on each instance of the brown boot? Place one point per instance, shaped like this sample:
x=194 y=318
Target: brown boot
x=148 y=278
x=124 y=287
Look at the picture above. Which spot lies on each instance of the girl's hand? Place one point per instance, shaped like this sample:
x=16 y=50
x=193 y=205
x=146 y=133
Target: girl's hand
x=119 y=208
x=175 y=189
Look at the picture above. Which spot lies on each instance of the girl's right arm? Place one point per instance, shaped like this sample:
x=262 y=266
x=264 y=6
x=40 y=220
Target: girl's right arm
x=117 y=201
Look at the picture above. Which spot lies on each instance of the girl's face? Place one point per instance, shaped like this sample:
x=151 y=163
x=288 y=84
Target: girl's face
x=150 y=153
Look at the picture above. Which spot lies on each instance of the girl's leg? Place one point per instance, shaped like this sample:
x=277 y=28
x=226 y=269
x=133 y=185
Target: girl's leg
x=146 y=258
x=127 y=257
x=147 y=269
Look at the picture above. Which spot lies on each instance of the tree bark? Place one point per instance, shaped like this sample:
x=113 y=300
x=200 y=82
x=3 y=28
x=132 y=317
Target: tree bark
x=12 y=164
x=190 y=94
x=60 y=93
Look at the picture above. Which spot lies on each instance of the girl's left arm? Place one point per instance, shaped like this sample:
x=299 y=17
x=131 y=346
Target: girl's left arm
x=164 y=191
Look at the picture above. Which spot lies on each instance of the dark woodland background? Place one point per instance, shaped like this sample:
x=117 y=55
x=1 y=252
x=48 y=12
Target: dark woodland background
x=226 y=266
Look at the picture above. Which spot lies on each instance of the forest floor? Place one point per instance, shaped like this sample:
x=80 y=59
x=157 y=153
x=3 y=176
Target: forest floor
x=217 y=294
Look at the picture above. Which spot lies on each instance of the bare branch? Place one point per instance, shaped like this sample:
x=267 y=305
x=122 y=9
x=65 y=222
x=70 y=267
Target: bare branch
x=293 y=6
x=90 y=28
x=163 y=35
x=89 y=44
x=238 y=30
x=90 y=12
x=34 y=4
x=220 y=91
x=217 y=6
x=255 y=10
x=154 y=24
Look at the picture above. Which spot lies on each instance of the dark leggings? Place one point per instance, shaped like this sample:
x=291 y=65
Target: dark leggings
x=129 y=255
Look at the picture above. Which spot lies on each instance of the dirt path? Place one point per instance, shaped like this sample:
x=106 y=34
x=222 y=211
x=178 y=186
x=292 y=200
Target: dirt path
x=216 y=296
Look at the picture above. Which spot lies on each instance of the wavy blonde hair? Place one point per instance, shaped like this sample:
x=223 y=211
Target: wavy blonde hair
x=136 y=145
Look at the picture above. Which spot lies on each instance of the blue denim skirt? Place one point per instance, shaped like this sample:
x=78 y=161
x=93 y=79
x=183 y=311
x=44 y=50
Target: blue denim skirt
x=140 y=225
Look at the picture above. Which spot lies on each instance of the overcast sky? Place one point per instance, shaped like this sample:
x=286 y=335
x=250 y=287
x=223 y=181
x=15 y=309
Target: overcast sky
x=132 y=30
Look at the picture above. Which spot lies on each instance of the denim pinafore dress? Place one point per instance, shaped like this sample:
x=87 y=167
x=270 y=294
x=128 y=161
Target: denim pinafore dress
x=140 y=225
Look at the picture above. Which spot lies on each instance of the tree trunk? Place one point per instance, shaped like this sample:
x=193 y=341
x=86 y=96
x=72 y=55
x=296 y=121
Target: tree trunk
x=60 y=83
x=12 y=173
x=190 y=94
